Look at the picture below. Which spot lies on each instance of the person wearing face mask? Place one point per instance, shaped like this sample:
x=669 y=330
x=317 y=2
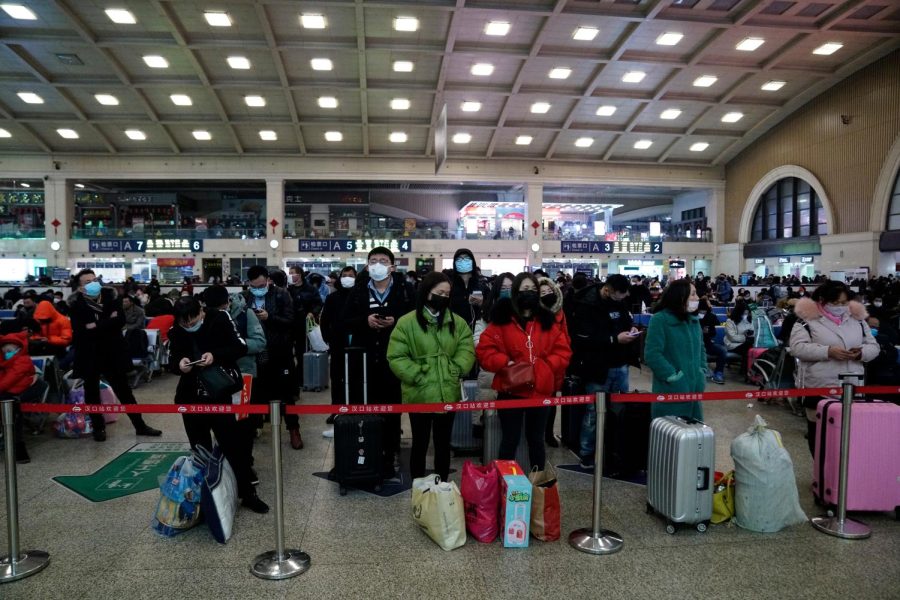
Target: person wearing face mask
x=17 y=375
x=521 y=331
x=430 y=350
x=335 y=335
x=53 y=333
x=724 y=291
x=674 y=350
x=739 y=331
x=467 y=291
x=306 y=301
x=100 y=349
x=551 y=299
x=499 y=292
x=877 y=310
x=831 y=337
x=211 y=337
x=380 y=296
x=718 y=352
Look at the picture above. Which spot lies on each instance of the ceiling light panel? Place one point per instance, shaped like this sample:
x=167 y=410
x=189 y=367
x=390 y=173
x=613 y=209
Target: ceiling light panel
x=154 y=61
x=705 y=81
x=255 y=101
x=606 y=110
x=462 y=138
x=540 y=108
x=4 y=133
x=642 y=144
x=584 y=142
x=406 y=24
x=732 y=117
x=107 y=99
x=217 y=18
x=828 y=49
x=471 y=106
x=313 y=21
x=18 y=11
x=333 y=136
x=120 y=16
x=400 y=104
x=496 y=28
x=699 y=146
x=750 y=44
x=328 y=102
x=670 y=38
x=181 y=100
x=523 y=140
x=69 y=134
x=772 y=86
x=633 y=77
x=30 y=98
x=201 y=135
x=321 y=64
x=268 y=135
x=670 y=113
x=398 y=137
x=482 y=69
x=135 y=134
x=560 y=73
x=585 y=33
x=403 y=66
x=238 y=62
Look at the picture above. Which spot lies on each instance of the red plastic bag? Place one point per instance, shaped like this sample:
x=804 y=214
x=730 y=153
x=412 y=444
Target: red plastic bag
x=545 y=506
x=481 y=498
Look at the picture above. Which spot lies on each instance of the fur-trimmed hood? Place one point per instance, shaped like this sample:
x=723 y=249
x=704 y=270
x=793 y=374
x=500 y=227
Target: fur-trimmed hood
x=808 y=310
x=557 y=306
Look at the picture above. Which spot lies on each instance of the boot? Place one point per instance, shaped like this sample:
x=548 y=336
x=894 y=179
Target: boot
x=22 y=457
x=296 y=440
x=141 y=428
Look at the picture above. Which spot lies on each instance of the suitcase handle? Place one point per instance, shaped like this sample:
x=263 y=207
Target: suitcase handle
x=704 y=484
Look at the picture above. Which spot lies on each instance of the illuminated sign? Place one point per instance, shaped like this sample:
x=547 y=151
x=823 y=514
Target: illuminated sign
x=783 y=260
x=361 y=246
x=806 y=260
x=611 y=247
x=759 y=261
x=119 y=246
x=173 y=245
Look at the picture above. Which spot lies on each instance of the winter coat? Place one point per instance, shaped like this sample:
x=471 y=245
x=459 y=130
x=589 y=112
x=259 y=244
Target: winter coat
x=306 y=300
x=594 y=328
x=279 y=325
x=460 y=293
x=97 y=334
x=334 y=330
x=674 y=345
x=56 y=328
x=160 y=305
x=708 y=325
x=162 y=323
x=504 y=340
x=17 y=373
x=814 y=333
x=430 y=364
x=134 y=318
x=362 y=303
x=736 y=333
x=486 y=392
x=250 y=330
x=219 y=336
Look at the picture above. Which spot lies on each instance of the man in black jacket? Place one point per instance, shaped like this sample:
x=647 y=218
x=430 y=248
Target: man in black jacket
x=275 y=310
x=603 y=346
x=466 y=288
x=306 y=301
x=335 y=334
x=378 y=300
x=100 y=349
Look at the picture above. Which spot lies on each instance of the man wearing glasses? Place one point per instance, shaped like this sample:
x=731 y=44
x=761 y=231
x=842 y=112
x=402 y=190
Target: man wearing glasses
x=377 y=301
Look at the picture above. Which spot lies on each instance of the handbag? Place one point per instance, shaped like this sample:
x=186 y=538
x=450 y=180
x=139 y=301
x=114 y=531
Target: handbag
x=516 y=379
x=218 y=383
x=314 y=337
x=437 y=508
x=546 y=512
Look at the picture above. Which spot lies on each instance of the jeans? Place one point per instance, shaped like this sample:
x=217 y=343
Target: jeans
x=720 y=353
x=616 y=381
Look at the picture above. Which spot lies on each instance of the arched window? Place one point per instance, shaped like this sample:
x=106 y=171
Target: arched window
x=790 y=208
x=893 y=220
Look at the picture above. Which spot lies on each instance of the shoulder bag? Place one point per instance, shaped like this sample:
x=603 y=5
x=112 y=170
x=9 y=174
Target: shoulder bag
x=517 y=379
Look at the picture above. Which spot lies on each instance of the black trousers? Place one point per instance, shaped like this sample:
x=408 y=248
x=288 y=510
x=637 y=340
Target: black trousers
x=384 y=388
x=275 y=381
x=119 y=384
x=424 y=426
x=742 y=351
x=535 y=421
x=337 y=376
x=225 y=428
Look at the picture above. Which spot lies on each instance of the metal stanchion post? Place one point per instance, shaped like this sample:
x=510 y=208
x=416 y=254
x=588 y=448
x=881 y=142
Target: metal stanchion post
x=597 y=540
x=839 y=525
x=279 y=563
x=16 y=564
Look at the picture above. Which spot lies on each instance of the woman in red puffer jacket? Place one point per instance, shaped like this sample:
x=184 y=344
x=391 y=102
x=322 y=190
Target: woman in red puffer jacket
x=16 y=376
x=521 y=330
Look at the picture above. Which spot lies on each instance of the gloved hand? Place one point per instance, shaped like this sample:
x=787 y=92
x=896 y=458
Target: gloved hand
x=676 y=376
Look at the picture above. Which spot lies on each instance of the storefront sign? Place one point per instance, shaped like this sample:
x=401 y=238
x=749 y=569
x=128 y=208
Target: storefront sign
x=759 y=261
x=173 y=245
x=119 y=246
x=783 y=260
x=807 y=260
x=174 y=262
x=676 y=264
x=610 y=247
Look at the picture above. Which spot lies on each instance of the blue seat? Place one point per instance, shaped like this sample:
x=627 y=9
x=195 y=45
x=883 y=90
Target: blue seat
x=7 y=314
x=720 y=310
x=722 y=318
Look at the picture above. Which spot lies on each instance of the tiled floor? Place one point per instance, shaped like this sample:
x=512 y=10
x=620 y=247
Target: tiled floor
x=363 y=546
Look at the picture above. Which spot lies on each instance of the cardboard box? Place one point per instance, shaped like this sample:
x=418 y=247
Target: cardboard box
x=515 y=511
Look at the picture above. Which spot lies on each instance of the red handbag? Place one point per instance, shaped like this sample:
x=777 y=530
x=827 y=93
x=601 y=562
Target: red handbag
x=516 y=379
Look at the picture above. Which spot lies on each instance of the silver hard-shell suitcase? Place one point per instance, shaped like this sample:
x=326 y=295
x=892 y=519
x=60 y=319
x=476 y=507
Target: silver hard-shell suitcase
x=680 y=471
x=492 y=435
x=315 y=371
x=463 y=440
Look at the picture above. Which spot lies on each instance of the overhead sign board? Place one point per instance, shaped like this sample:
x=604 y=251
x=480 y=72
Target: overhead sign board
x=608 y=247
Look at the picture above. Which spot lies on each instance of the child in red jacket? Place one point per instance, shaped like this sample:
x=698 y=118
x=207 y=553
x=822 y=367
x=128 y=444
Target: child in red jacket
x=16 y=376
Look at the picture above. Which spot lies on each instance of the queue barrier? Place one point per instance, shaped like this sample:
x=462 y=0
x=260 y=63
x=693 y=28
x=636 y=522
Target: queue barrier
x=281 y=563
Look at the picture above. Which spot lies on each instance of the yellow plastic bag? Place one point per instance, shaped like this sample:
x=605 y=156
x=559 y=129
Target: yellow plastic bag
x=437 y=508
x=723 y=497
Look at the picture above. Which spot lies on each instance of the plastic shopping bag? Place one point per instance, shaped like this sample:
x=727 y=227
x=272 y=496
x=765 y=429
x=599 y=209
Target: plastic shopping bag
x=314 y=335
x=546 y=512
x=178 y=508
x=74 y=425
x=766 y=497
x=218 y=498
x=481 y=499
x=723 y=497
x=437 y=509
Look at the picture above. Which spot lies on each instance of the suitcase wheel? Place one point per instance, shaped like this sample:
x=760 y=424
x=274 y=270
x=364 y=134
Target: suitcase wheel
x=701 y=527
x=670 y=528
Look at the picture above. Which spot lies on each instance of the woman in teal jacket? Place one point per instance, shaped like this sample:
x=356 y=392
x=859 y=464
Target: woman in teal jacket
x=674 y=350
x=431 y=348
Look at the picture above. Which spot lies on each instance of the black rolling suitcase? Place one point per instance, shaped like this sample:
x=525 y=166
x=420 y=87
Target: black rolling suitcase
x=357 y=439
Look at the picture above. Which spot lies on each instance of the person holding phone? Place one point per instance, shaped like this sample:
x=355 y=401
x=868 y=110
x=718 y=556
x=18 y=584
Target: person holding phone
x=467 y=288
x=831 y=337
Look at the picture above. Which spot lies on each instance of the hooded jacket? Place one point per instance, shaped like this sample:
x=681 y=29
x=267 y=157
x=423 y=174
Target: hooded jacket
x=250 y=329
x=814 y=333
x=17 y=373
x=97 y=333
x=594 y=328
x=461 y=291
x=53 y=326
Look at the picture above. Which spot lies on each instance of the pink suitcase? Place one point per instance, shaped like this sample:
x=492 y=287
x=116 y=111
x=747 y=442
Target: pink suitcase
x=873 y=479
x=752 y=355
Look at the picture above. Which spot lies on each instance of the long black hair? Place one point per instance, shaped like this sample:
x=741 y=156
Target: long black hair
x=431 y=281
x=675 y=298
x=740 y=307
x=494 y=295
x=539 y=314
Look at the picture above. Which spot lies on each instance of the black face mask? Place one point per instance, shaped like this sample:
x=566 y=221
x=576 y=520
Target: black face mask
x=528 y=300
x=439 y=303
x=548 y=300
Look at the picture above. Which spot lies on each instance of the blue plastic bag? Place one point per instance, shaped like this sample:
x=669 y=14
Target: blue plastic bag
x=178 y=508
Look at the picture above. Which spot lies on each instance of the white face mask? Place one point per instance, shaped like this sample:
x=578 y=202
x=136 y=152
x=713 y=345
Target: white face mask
x=877 y=304
x=837 y=311
x=348 y=282
x=701 y=314
x=693 y=305
x=379 y=272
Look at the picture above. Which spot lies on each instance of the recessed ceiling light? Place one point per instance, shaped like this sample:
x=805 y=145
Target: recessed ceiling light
x=397 y=137
x=321 y=64
x=107 y=99
x=585 y=34
x=482 y=69
x=217 y=18
x=584 y=142
x=156 y=62
x=403 y=66
x=25 y=185
x=498 y=28
x=560 y=73
x=699 y=146
x=772 y=86
x=540 y=107
x=829 y=48
x=328 y=102
x=406 y=24
x=471 y=106
x=238 y=62
x=705 y=80
x=268 y=135
x=633 y=76
x=313 y=21
x=669 y=38
x=181 y=100
x=201 y=135
x=120 y=16
x=643 y=144
x=255 y=101
x=333 y=136
x=69 y=134
x=462 y=138
x=17 y=11
x=80 y=186
x=750 y=44
x=670 y=113
x=30 y=98
x=606 y=111
x=4 y=133
x=135 y=134
x=400 y=104
x=732 y=117
x=523 y=140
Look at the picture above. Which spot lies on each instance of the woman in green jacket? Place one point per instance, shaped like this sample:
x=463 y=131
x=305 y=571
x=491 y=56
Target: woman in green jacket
x=674 y=350
x=431 y=348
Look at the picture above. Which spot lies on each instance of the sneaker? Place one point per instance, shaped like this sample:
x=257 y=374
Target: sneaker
x=719 y=377
x=330 y=420
x=147 y=430
x=587 y=462
x=254 y=503
x=328 y=433
x=99 y=435
x=254 y=478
